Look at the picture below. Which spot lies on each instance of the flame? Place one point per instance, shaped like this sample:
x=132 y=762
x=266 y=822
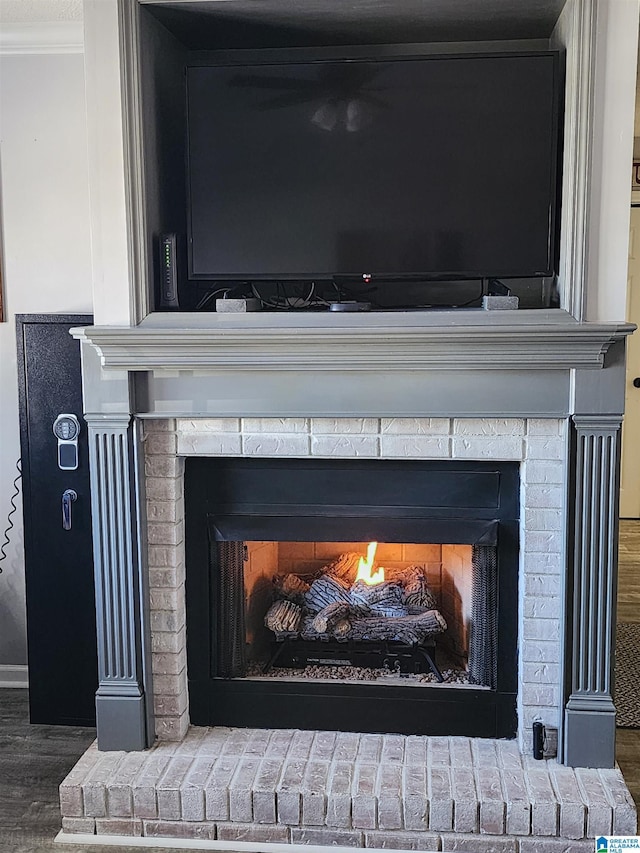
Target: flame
x=365 y=566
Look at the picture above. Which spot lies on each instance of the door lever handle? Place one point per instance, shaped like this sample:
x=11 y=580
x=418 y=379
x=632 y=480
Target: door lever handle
x=68 y=497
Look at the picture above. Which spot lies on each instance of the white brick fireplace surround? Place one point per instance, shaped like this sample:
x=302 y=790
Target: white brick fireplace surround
x=538 y=444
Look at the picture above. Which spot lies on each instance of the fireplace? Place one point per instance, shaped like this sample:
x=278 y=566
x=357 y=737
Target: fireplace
x=550 y=596
x=213 y=782
x=278 y=542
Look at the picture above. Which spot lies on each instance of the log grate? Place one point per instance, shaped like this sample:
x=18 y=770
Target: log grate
x=396 y=657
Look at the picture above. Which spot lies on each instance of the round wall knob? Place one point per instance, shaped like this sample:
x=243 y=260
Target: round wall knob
x=636 y=382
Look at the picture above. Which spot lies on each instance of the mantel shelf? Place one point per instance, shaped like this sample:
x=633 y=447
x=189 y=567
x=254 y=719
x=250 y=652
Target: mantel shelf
x=370 y=344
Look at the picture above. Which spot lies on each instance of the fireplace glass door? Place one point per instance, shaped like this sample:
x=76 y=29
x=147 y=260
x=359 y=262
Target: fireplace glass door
x=404 y=624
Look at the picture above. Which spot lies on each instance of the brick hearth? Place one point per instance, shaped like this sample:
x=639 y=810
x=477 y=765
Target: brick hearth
x=345 y=789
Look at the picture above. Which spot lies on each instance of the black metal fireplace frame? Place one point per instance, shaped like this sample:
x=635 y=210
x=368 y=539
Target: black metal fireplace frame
x=448 y=502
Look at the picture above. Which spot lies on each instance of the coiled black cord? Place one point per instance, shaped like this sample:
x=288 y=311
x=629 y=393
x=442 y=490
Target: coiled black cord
x=9 y=527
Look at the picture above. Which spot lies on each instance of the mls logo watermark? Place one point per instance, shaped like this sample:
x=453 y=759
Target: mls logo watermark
x=617 y=843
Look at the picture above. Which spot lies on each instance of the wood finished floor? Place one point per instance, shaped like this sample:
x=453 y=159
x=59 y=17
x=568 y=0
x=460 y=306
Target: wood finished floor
x=35 y=759
x=33 y=762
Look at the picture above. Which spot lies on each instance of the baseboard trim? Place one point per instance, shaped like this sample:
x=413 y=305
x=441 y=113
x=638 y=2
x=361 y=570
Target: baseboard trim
x=14 y=676
x=162 y=843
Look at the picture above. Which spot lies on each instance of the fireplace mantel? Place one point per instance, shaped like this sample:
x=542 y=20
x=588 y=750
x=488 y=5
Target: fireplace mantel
x=385 y=341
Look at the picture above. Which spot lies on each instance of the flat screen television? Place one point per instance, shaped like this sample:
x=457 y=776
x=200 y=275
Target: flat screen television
x=396 y=167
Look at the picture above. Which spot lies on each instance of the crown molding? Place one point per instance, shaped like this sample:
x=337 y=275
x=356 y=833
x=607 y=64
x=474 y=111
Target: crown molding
x=358 y=348
x=41 y=38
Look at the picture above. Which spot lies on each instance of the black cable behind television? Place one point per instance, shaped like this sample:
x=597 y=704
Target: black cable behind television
x=421 y=167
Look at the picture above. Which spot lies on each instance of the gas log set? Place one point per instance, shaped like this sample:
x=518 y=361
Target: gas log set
x=351 y=604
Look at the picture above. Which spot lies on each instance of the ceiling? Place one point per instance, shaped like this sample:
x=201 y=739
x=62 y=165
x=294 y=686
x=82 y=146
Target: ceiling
x=218 y=24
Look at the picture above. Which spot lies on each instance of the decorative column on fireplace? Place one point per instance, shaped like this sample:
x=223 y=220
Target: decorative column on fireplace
x=590 y=713
x=121 y=704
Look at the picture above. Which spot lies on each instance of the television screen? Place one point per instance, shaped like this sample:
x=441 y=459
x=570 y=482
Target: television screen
x=425 y=166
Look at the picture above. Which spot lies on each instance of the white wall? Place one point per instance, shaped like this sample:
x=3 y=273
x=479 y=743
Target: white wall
x=636 y=123
x=113 y=292
x=47 y=263
x=613 y=119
